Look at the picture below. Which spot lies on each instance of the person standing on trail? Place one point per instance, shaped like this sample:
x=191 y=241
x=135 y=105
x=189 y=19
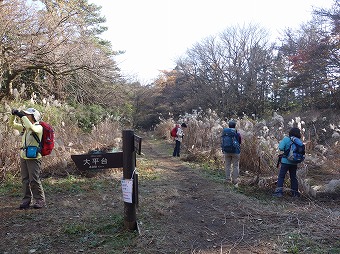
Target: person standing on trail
x=288 y=165
x=30 y=157
x=231 y=148
x=178 y=140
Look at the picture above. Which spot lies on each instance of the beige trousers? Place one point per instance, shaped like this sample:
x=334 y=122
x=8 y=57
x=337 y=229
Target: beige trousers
x=232 y=161
x=31 y=183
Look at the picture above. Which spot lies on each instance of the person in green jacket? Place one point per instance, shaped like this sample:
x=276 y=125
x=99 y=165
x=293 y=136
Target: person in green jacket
x=30 y=157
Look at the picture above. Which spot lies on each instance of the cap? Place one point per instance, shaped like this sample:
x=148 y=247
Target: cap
x=34 y=112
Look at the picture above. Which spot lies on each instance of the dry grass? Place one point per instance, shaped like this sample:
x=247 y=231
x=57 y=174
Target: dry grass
x=202 y=143
x=259 y=153
x=69 y=139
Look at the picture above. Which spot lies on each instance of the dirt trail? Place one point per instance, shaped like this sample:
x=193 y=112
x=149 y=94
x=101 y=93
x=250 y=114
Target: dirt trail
x=183 y=211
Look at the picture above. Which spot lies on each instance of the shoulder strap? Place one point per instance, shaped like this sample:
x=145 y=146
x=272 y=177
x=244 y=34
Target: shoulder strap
x=286 y=152
x=36 y=137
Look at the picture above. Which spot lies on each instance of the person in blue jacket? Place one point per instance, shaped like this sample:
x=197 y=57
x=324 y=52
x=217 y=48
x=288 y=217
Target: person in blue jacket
x=232 y=158
x=288 y=166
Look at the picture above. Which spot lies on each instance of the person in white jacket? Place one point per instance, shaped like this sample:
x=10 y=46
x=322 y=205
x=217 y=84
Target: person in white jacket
x=178 y=140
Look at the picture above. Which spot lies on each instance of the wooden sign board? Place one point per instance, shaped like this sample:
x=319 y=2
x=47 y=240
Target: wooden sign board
x=138 y=144
x=98 y=161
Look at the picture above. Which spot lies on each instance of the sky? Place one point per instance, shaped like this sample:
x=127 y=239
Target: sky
x=154 y=33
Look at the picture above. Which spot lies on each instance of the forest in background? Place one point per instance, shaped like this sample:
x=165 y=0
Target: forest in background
x=52 y=57
x=54 y=48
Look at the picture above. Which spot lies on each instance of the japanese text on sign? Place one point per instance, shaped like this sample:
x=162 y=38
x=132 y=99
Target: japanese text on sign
x=95 y=162
x=127 y=189
x=98 y=161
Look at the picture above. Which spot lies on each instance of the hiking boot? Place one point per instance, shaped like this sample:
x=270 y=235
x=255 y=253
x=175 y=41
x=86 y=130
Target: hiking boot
x=278 y=194
x=25 y=205
x=39 y=204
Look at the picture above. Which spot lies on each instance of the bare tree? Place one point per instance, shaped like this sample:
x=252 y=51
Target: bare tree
x=55 y=47
x=230 y=73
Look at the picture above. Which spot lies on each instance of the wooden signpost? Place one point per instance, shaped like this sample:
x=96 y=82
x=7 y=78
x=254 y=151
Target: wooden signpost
x=138 y=144
x=98 y=160
x=126 y=159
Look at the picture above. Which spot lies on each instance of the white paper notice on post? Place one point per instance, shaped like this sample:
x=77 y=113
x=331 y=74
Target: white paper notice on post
x=127 y=190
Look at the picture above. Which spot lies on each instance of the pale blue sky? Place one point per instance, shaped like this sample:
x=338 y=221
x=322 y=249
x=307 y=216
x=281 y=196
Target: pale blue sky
x=154 y=33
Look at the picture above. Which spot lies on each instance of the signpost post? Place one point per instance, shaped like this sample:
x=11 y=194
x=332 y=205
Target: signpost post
x=129 y=162
x=126 y=159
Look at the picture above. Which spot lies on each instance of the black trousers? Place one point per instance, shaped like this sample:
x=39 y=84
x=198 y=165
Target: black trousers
x=177 y=149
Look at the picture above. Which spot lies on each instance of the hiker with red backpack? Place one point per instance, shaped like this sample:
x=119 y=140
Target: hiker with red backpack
x=178 y=138
x=30 y=156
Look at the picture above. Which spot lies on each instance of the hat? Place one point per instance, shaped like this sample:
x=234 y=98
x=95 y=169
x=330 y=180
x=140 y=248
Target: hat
x=232 y=124
x=34 y=112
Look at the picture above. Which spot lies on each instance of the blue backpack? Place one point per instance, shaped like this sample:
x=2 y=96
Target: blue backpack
x=230 y=142
x=296 y=151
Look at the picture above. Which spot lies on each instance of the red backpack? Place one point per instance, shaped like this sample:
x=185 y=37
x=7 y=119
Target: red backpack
x=47 y=141
x=173 y=132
